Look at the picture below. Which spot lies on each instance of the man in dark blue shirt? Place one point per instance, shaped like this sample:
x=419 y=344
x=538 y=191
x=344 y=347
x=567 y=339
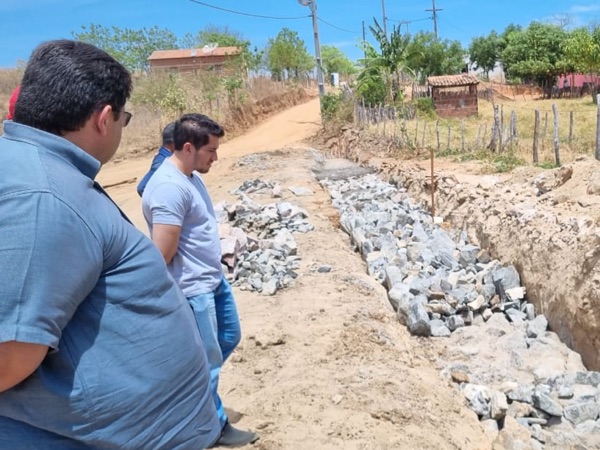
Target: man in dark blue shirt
x=164 y=152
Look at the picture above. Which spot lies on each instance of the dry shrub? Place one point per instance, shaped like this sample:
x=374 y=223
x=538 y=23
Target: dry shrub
x=9 y=80
x=161 y=98
x=158 y=99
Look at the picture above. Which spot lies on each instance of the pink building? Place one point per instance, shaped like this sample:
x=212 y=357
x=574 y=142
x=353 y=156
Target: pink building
x=577 y=80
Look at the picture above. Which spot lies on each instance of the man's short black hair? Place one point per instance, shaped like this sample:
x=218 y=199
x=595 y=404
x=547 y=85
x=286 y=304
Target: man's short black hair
x=195 y=129
x=65 y=82
x=167 y=133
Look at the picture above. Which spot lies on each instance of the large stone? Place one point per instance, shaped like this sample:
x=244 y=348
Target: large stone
x=468 y=255
x=547 y=404
x=582 y=412
x=400 y=298
x=286 y=240
x=393 y=276
x=498 y=405
x=505 y=278
x=537 y=327
x=418 y=320
x=439 y=328
x=478 y=397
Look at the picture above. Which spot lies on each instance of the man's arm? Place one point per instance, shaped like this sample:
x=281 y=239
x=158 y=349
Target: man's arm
x=18 y=360
x=166 y=238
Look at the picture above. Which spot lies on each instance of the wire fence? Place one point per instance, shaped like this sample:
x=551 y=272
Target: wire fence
x=536 y=131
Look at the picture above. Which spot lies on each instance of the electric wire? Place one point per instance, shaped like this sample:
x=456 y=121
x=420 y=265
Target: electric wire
x=248 y=14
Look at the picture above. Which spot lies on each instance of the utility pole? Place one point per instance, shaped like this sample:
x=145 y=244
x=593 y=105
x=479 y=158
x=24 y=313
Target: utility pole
x=384 y=17
x=434 y=10
x=320 y=80
x=364 y=38
x=315 y=24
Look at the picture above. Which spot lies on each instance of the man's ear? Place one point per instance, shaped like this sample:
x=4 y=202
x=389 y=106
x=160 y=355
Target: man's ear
x=188 y=148
x=101 y=119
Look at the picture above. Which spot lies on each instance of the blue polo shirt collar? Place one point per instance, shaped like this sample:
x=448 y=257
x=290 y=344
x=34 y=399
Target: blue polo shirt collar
x=58 y=146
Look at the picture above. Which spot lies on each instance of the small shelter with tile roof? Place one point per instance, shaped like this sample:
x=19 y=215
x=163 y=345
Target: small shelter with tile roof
x=219 y=59
x=454 y=95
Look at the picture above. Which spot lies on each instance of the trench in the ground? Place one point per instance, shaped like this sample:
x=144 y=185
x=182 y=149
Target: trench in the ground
x=561 y=401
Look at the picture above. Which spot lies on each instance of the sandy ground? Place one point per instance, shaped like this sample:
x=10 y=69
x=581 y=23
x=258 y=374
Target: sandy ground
x=324 y=364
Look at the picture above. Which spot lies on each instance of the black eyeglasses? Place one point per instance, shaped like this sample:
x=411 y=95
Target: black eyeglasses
x=128 y=117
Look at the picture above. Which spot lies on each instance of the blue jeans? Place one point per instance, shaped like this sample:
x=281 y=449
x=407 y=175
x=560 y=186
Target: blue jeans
x=219 y=325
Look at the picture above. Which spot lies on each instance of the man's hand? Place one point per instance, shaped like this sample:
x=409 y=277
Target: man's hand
x=18 y=360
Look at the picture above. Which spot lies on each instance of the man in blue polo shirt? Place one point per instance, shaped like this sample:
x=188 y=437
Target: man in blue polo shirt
x=164 y=152
x=98 y=346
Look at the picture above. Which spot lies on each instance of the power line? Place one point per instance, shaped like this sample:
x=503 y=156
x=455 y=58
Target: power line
x=338 y=28
x=248 y=14
x=455 y=26
x=411 y=21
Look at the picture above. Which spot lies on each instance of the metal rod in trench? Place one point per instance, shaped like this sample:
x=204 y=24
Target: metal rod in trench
x=432 y=187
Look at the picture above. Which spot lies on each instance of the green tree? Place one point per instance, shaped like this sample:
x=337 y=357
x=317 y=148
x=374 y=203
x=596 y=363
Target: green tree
x=335 y=61
x=386 y=65
x=257 y=59
x=131 y=47
x=484 y=52
x=535 y=54
x=511 y=32
x=287 y=57
x=582 y=49
x=431 y=57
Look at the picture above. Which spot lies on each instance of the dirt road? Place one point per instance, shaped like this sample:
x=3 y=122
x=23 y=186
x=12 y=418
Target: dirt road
x=324 y=364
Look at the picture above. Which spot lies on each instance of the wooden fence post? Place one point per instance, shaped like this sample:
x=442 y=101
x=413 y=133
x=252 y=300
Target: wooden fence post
x=536 y=137
x=571 y=125
x=598 y=128
x=484 y=134
x=417 y=133
x=496 y=132
x=556 y=144
x=544 y=130
x=513 y=129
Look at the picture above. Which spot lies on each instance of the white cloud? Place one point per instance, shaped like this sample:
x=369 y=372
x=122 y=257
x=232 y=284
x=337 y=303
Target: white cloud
x=584 y=9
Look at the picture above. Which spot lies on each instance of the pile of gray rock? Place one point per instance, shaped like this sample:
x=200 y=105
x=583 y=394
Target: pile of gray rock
x=525 y=385
x=259 y=252
x=436 y=284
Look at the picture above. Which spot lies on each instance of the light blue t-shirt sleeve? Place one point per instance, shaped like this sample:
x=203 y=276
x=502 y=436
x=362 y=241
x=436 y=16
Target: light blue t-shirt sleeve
x=50 y=262
x=169 y=203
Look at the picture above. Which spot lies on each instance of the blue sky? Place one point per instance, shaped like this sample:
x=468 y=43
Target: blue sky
x=26 y=23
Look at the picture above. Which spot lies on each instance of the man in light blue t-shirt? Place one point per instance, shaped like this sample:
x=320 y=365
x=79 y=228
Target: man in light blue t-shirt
x=182 y=223
x=98 y=346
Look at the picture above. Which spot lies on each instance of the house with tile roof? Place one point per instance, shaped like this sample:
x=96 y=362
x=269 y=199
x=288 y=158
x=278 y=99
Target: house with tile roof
x=454 y=95
x=221 y=60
